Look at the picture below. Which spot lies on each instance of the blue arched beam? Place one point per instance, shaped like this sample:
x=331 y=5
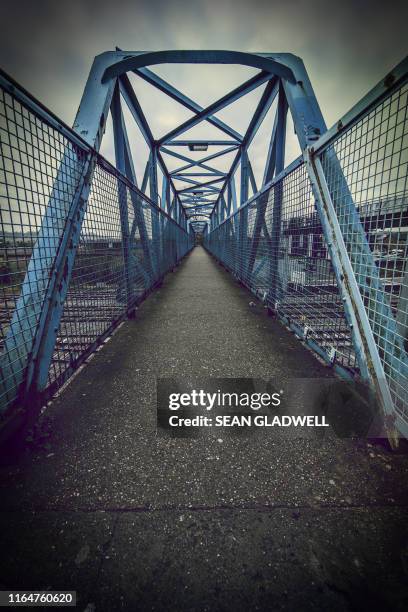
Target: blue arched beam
x=132 y=61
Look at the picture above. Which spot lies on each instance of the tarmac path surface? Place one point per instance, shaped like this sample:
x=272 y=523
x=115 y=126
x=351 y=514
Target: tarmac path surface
x=101 y=504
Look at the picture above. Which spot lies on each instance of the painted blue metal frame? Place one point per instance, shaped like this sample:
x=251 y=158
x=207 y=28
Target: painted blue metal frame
x=215 y=107
x=283 y=75
x=274 y=69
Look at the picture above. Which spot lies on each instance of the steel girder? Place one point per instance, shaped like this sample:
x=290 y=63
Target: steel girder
x=272 y=68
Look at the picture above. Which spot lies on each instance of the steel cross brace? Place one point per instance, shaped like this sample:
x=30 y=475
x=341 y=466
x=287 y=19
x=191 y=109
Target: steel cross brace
x=198 y=162
x=276 y=161
x=263 y=106
x=125 y=165
x=172 y=92
x=215 y=107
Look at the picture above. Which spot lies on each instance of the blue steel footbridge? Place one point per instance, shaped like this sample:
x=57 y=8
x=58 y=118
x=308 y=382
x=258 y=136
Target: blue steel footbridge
x=322 y=242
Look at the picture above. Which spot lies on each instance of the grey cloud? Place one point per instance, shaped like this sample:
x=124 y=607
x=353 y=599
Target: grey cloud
x=48 y=45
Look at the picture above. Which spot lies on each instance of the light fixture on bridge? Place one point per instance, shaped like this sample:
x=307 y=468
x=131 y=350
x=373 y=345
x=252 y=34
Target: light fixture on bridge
x=198 y=146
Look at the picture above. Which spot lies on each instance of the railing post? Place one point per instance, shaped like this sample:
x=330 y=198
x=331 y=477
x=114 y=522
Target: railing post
x=120 y=156
x=362 y=334
x=274 y=243
x=243 y=216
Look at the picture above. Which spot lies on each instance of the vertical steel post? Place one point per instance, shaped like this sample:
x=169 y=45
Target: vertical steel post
x=243 y=216
x=119 y=142
x=275 y=237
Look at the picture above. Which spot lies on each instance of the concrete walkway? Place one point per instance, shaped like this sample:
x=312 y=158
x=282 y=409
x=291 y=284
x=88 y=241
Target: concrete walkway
x=102 y=505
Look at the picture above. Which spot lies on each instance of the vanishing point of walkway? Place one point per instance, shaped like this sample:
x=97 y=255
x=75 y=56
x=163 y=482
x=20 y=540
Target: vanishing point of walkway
x=135 y=521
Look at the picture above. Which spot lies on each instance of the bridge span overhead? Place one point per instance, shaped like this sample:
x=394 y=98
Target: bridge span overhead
x=322 y=241
x=200 y=263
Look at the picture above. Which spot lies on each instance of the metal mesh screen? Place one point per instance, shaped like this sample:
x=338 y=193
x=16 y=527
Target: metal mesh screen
x=274 y=243
x=34 y=207
x=126 y=242
x=101 y=288
x=275 y=246
x=367 y=164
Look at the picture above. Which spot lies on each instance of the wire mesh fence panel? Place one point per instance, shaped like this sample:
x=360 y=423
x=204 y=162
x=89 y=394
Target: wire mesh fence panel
x=96 y=296
x=126 y=243
x=40 y=169
x=366 y=169
x=275 y=246
x=108 y=276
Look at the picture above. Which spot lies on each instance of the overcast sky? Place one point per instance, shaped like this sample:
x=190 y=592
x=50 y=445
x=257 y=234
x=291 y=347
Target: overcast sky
x=347 y=46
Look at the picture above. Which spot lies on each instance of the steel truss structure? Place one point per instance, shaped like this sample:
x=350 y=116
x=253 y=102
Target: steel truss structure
x=79 y=204
x=206 y=189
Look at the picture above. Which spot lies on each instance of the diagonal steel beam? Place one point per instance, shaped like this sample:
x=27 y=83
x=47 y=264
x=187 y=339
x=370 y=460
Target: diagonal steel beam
x=199 y=206
x=191 y=181
x=197 y=186
x=209 y=191
x=207 y=184
x=133 y=104
x=153 y=79
x=200 y=162
x=229 y=98
x=185 y=158
x=124 y=163
x=230 y=175
x=188 y=174
x=210 y=143
x=201 y=209
x=146 y=175
x=187 y=200
x=252 y=178
x=277 y=164
x=136 y=110
x=264 y=105
x=175 y=94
